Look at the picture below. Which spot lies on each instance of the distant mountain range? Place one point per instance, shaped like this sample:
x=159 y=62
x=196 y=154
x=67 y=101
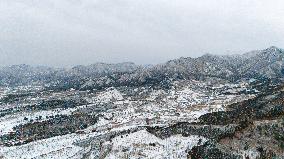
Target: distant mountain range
x=267 y=63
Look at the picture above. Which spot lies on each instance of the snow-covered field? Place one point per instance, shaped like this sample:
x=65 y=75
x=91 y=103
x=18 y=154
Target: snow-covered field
x=56 y=147
x=158 y=108
x=142 y=144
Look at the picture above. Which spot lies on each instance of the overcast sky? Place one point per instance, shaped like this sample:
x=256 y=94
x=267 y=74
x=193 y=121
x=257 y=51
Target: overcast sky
x=70 y=32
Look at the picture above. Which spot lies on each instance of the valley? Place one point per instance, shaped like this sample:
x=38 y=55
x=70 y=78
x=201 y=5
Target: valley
x=185 y=108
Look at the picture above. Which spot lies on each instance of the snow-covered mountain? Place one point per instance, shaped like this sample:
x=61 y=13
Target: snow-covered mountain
x=267 y=63
x=262 y=63
x=211 y=106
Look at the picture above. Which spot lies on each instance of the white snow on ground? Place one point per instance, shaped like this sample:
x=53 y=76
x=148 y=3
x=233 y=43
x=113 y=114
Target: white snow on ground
x=110 y=94
x=185 y=105
x=35 y=149
x=142 y=144
x=189 y=97
x=156 y=93
x=56 y=147
x=102 y=122
x=10 y=121
x=253 y=154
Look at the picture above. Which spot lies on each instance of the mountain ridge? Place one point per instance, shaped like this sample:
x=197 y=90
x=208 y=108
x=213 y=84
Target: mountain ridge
x=267 y=63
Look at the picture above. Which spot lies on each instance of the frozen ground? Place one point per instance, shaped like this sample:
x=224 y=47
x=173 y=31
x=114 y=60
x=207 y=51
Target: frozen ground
x=142 y=144
x=157 y=108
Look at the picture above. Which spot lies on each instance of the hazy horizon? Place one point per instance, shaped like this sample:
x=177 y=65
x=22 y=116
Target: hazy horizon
x=66 y=33
x=139 y=64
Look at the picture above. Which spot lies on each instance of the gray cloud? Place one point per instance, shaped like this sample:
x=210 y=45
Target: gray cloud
x=70 y=32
